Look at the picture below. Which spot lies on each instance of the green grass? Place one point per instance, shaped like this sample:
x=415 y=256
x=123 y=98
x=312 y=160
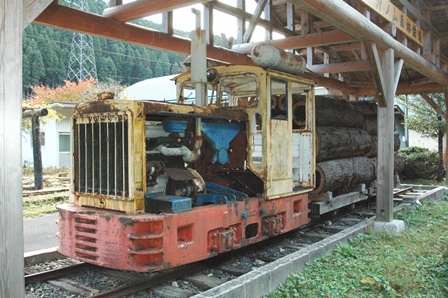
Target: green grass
x=43 y=204
x=413 y=264
x=424 y=182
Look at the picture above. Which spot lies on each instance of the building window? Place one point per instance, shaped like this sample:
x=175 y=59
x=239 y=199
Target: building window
x=64 y=143
x=279 y=99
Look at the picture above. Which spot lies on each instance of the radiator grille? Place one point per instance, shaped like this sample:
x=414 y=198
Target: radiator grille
x=101 y=155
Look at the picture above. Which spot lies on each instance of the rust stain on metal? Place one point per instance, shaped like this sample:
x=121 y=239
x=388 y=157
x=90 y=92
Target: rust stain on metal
x=127 y=222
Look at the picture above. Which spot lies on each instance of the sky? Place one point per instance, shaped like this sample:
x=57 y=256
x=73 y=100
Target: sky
x=185 y=20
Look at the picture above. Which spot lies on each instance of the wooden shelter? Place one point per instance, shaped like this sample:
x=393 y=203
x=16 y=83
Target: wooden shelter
x=356 y=48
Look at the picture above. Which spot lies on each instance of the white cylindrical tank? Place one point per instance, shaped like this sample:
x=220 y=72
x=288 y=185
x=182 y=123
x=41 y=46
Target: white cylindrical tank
x=270 y=57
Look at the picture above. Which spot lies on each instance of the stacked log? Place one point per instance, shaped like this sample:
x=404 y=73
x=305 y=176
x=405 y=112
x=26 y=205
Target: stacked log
x=337 y=113
x=341 y=142
x=346 y=145
x=342 y=175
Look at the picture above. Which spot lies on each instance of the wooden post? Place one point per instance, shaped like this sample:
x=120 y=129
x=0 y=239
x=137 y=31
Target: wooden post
x=11 y=215
x=384 y=201
x=37 y=153
x=241 y=21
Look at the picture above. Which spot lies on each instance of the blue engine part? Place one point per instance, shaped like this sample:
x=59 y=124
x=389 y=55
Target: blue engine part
x=174 y=125
x=220 y=135
x=155 y=203
x=218 y=194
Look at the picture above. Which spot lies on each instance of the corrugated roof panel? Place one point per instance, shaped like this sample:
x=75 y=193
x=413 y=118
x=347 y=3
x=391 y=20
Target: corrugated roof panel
x=161 y=88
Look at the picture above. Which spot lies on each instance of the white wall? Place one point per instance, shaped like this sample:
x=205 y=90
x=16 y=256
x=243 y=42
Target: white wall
x=50 y=154
x=415 y=139
x=50 y=151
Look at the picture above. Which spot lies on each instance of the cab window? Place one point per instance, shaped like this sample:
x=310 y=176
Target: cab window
x=279 y=99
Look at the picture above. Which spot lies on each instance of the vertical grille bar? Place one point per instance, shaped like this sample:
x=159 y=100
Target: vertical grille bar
x=93 y=154
x=126 y=157
x=89 y=157
x=108 y=159
x=104 y=157
x=123 y=158
x=101 y=155
x=86 y=163
x=78 y=156
x=115 y=159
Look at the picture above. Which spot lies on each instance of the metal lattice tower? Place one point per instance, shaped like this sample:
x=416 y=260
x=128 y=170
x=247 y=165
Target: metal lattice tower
x=82 y=63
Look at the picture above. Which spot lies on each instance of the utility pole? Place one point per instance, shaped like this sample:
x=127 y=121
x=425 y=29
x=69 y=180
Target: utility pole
x=37 y=152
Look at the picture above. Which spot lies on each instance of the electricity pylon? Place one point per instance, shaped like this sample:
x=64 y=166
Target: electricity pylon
x=82 y=63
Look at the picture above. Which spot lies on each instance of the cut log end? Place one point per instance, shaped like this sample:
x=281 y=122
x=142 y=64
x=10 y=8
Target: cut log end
x=320 y=181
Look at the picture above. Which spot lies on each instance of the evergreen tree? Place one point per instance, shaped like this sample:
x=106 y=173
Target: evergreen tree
x=36 y=65
x=158 y=72
x=46 y=54
x=106 y=69
x=152 y=60
x=51 y=61
x=26 y=73
x=165 y=64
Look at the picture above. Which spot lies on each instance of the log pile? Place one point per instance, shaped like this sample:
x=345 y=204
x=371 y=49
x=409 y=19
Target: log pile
x=346 y=146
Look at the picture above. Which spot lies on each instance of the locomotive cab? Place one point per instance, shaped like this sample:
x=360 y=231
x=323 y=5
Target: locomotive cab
x=159 y=184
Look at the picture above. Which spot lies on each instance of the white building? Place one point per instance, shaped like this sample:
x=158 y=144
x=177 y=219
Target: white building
x=55 y=140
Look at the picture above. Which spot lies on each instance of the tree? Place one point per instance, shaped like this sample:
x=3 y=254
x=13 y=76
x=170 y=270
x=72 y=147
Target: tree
x=35 y=64
x=164 y=63
x=106 y=68
x=152 y=60
x=425 y=120
x=158 y=72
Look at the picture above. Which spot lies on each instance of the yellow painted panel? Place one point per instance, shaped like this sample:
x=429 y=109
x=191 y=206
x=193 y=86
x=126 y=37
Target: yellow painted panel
x=394 y=15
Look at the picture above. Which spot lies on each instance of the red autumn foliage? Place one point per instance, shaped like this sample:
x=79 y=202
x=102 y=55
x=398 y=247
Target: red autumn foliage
x=70 y=92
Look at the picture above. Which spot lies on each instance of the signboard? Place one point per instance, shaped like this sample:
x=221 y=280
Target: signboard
x=394 y=15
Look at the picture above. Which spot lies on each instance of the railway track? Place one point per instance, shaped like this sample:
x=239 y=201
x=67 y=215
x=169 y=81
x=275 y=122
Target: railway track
x=221 y=276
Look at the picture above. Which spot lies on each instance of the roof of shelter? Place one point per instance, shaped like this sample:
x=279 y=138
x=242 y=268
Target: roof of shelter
x=343 y=42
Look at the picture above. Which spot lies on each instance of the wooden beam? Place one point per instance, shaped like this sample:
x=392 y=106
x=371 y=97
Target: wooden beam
x=11 y=210
x=144 y=8
x=31 y=9
x=309 y=56
x=403 y=88
x=340 y=67
x=297 y=42
x=398 y=66
x=305 y=20
x=63 y=17
x=167 y=22
x=208 y=23
x=335 y=70
x=241 y=20
x=115 y=2
x=349 y=47
x=330 y=83
x=377 y=73
x=290 y=16
x=267 y=16
x=439 y=7
x=352 y=22
x=254 y=20
x=433 y=105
